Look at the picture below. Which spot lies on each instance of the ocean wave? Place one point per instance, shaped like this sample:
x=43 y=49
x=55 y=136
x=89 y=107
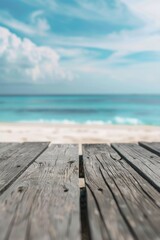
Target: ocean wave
x=116 y=120
x=130 y=121
x=49 y=121
x=66 y=121
x=90 y=122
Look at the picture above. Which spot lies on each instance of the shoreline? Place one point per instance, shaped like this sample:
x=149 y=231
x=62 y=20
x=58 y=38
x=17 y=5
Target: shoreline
x=77 y=133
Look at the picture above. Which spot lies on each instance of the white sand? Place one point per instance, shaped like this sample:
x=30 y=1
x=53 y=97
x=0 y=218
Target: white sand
x=66 y=133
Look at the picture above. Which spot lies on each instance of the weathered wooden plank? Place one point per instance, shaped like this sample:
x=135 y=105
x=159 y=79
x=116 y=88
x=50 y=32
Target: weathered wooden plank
x=121 y=203
x=43 y=203
x=142 y=160
x=153 y=147
x=7 y=148
x=3 y=144
x=14 y=161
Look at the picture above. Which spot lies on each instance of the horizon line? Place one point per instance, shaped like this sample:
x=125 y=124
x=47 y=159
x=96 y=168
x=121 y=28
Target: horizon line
x=75 y=94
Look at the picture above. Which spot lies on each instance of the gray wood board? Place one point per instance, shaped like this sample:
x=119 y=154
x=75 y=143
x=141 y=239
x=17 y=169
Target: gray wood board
x=153 y=147
x=43 y=203
x=142 y=160
x=121 y=203
x=14 y=161
x=7 y=149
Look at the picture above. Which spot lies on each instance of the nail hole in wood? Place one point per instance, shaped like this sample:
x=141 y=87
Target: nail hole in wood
x=65 y=190
x=100 y=189
x=18 y=166
x=20 y=189
x=71 y=162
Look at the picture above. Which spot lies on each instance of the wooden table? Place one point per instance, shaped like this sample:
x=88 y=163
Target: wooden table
x=40 y=197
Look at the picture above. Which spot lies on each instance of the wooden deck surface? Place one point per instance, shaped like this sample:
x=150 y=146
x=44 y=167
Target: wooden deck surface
x=40 y=197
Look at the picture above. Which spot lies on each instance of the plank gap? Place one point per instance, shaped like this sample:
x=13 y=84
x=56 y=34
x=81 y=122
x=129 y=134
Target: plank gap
x=153 y=147
x=136 y=168
x=81 y=170
x=85 y=233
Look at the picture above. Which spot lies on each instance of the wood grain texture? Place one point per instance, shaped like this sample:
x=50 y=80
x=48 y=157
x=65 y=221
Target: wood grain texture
x=142 y=160
x=16 y=159
x=7 y=149
x=121 y=203
x=153 y=147
x=43 y=203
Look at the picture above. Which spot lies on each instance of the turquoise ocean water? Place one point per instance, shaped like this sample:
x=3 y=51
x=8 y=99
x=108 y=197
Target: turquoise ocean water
x=110 y=109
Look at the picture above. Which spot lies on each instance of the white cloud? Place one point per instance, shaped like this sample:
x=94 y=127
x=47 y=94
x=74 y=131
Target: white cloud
x=143 y=14
x=37 y=19
x=97 y=10
x=41 y=63
x=147 y=10
x=22 y=60
x=8 y=20
x=36 y=24
x=145 y=37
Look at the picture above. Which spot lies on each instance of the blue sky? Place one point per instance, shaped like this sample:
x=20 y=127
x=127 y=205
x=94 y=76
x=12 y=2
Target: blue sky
x=79 y=46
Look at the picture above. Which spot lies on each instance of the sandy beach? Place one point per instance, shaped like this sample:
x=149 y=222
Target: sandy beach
x=75 y=133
